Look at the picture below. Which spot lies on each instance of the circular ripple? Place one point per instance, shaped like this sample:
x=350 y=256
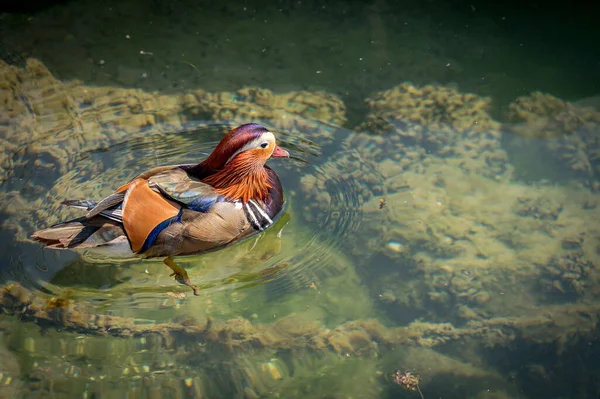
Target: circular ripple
x=290 y=255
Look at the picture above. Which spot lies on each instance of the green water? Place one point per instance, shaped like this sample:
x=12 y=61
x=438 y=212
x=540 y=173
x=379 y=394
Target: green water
x=446 y=227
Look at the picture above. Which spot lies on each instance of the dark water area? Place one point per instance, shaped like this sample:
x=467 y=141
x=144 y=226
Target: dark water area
x=350 y=48
x=441 y=235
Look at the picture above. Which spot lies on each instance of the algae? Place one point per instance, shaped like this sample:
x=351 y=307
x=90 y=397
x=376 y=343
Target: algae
x=411 y=247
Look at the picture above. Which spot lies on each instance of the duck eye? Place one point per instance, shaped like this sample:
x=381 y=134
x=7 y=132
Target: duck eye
x=264 y=145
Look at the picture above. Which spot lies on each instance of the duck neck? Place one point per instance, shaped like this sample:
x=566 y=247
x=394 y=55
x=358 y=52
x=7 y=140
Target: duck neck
x=241 y=180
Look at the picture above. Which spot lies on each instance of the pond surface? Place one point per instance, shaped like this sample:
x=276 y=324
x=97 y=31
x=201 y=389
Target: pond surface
x=441 y=236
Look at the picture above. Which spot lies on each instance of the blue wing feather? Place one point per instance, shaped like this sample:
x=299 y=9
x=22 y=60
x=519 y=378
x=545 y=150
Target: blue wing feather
x=202 y=204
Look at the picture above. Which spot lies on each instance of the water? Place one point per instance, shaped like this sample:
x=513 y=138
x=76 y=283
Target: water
x=441 y=234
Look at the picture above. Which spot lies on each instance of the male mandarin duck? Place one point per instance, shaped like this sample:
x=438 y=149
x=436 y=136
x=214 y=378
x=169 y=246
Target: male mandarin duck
x=182 y=209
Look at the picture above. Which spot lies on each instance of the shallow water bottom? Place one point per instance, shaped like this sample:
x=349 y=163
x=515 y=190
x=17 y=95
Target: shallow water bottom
x=427 y=248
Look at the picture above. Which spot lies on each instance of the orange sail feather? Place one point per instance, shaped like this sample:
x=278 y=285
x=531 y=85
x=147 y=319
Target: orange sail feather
x=143 y=210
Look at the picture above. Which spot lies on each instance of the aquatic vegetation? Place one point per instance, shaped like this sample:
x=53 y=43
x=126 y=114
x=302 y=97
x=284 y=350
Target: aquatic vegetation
x=433 y=120
x=569 y=132
x=433 y=106
x=456 y=236
x=440 y=264
x=240 y=340
x=541 y=115
x=305 y=112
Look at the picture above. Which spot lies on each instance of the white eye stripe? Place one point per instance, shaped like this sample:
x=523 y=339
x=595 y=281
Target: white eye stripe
x=266 y=137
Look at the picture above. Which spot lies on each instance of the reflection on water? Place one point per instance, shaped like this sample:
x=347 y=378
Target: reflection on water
x=430 y=248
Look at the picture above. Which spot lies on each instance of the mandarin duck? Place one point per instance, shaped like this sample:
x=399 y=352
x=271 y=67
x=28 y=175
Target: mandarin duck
x=182 y=209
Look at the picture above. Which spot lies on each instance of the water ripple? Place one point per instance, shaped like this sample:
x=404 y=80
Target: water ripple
x=290 y=256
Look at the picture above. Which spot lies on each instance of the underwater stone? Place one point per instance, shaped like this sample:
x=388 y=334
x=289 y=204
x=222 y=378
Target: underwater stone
x=481 y=298
x=395 y=246
x=569 y=129
x=29 y=345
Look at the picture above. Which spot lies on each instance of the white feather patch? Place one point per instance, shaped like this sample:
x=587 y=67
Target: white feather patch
x=267 y=137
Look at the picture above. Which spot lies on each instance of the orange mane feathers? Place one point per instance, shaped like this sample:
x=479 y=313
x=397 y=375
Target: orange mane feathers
x=243 y=178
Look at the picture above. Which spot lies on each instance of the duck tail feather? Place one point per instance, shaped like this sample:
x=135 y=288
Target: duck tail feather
x=106 y=204
x=81 y=204
x=79 y=233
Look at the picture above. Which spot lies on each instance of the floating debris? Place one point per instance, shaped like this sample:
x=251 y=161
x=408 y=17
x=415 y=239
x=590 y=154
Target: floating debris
x=407 y=380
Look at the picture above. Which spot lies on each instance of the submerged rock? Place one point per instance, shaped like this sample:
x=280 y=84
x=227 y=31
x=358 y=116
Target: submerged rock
x=569 y=132
x=457 y=236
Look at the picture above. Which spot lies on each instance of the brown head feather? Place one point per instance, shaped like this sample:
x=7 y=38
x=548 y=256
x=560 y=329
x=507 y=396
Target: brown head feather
x=233 y=141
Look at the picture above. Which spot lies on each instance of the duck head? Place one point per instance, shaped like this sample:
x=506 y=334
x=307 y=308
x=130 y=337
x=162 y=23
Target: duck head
x=236 y=167
x=253 y=142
